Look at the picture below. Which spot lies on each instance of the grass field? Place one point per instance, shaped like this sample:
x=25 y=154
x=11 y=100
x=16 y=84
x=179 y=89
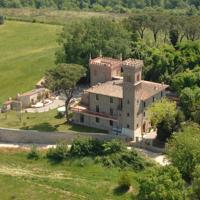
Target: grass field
x=22 y=179
x=53 y=16
x=47 y=121
x=26 y=51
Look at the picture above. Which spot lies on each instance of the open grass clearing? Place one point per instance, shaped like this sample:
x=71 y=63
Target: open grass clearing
x=47 y=121
x=27 y=50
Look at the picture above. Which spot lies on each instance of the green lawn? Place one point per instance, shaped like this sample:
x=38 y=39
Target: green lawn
x=23 y=179
x=47 y=121
x=26 y=51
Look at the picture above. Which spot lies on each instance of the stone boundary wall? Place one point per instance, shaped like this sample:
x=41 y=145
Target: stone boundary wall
x=149 y=147
x=36 y=137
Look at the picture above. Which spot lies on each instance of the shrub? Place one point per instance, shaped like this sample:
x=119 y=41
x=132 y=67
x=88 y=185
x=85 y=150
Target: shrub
x=33 y=154
x=124 y=181
x=164 y=183
x=93 y=147
x=125 y=159
x=1 y=20
x=58 y=153
x=113 y=146
x=195 y=188
x=86 y=147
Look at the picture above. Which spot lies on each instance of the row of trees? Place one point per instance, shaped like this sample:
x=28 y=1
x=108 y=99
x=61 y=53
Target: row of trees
x=172 y=28
x=100 y=5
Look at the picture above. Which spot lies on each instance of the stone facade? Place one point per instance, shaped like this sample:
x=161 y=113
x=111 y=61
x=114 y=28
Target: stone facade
x=117 y=104
x=32 y=97
x=103 y=69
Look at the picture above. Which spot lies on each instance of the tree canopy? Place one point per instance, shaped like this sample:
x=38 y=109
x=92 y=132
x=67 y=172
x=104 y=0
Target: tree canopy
x=89 y=37
x=161 y=184
x=195 y=187
x=63 y=79
x=165 y=117
x=100 y=5
x=183 y=149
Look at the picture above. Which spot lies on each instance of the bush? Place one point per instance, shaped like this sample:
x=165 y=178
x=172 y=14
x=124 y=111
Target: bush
x=125 y=159
x=93 y=147
x=86 y=147
x=33 y=154
x=110 y=153
x=164 y=183
x=195 y=188
x=1 y=20
x=124 y=181
x=59 y=153
x=113 y=146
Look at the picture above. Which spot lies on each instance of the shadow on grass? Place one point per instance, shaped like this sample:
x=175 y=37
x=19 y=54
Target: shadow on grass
x=79 y=128
x=41 y=127
x=120 y=190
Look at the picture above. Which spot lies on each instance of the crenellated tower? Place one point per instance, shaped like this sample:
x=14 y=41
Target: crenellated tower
x=132 y=91
x=102 y=69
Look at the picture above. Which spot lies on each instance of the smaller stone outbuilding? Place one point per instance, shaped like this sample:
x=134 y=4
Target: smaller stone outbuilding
x=11 y=105
x=32 y=97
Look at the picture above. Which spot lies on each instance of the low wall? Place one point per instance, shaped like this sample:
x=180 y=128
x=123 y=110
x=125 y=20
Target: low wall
x=149 y=147
x=35 y=137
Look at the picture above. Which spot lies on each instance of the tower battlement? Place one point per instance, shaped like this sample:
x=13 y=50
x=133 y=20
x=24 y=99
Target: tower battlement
x=133 y=63
x=105 y=61
x=102 y=69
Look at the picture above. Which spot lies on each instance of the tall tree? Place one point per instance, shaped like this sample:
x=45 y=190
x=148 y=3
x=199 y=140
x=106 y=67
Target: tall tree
x=163 y=116
x=88 y=37
x=63 y=79
x=190 y=103
x=192 y=28
x=138 y=23
x=156 y=23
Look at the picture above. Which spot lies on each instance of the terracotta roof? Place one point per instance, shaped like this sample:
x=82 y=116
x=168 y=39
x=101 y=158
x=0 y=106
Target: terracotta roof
x=151 y=88
x=110 y=62
x=115 y=89
x=32 y=92
x=10 y=101
x=110 y=88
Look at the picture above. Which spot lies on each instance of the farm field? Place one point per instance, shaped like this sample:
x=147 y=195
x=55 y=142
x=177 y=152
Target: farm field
x=21 y=179
x=26 y=51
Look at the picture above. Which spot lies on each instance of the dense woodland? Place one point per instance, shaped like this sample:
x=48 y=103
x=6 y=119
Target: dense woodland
x=100 y=5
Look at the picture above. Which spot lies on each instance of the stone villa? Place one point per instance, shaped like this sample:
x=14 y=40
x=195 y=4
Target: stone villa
x=117 y=98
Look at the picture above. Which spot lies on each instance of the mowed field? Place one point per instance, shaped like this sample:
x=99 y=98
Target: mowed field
x=22 y=179
x=27 y=50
